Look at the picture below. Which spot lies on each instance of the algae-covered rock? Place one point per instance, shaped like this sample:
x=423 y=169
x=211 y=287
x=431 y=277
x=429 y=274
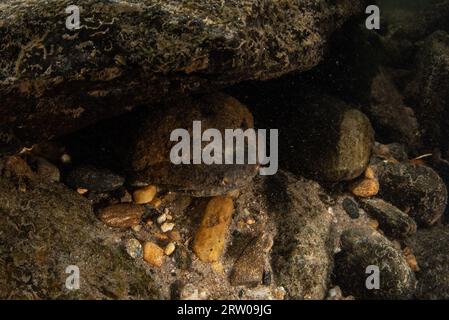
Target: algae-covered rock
x=364 y=247
x=127 y=53
x=391 y=117
x=45 y=229
x=430 y=89
x=430 y=246
x=330 y=140
x=302 y=251
x=392 y=221
x=416 y=188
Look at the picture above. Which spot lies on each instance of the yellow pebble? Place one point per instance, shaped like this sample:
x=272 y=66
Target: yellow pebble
x=210 y=238
x=144 y=195
x=153 y=254
x=370 y=173
x=156 y=202
x=365 y=188
x=169 y=249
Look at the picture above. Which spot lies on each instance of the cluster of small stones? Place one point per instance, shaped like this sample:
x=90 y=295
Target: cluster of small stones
x=121 y=206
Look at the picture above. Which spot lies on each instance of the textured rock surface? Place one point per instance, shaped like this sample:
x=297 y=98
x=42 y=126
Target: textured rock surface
x=430 y=89
x=363 y=247
x=44 y=228
x=430 y=246
x=417 y=189
x=334 y=142
x=389 y=114
x=302 y=251
x=249 y=268
x=134 y=52
x=392 y=221
x=150 y=150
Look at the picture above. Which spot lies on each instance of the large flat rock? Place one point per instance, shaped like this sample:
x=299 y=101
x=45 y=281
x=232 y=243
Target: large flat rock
x=127 y=53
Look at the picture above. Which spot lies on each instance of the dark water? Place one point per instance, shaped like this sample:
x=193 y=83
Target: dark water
x=406 y=4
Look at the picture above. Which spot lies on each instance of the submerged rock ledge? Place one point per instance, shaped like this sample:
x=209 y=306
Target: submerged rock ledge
x=128 y=53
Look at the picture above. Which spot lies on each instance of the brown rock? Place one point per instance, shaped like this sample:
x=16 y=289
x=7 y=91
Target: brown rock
x=123 y=215
x=17 y=167
x=144 y=195
x=370 y=173
x=156 y=202
x=327 y=140
x=153 y=254
x=211 y=235
x=150 y=152
x=411 y=259
x=47 y=170
x=389 y=113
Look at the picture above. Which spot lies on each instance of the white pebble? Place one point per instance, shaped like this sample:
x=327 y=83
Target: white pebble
x=66 y=158
x=167 y=226
x=134 y=248
x=162 y=218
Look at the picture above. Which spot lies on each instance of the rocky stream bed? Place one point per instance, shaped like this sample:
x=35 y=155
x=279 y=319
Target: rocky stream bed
x=86 y=178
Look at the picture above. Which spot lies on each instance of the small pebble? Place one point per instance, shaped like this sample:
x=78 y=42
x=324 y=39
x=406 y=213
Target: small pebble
x=174 y=235
x=144 y=195
x=250 y=221
x=334 y=293
x=82 y=191
x=365 y=188
x=161 y=236
x=66 y=158
x=124 y=215
x=162 y=218
x=370 y=173
x=136 y=228
x=351 y=208
x=153 y=254
x=167 y=226
x=169 y=249
x=156 y=202
x=133 y=248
